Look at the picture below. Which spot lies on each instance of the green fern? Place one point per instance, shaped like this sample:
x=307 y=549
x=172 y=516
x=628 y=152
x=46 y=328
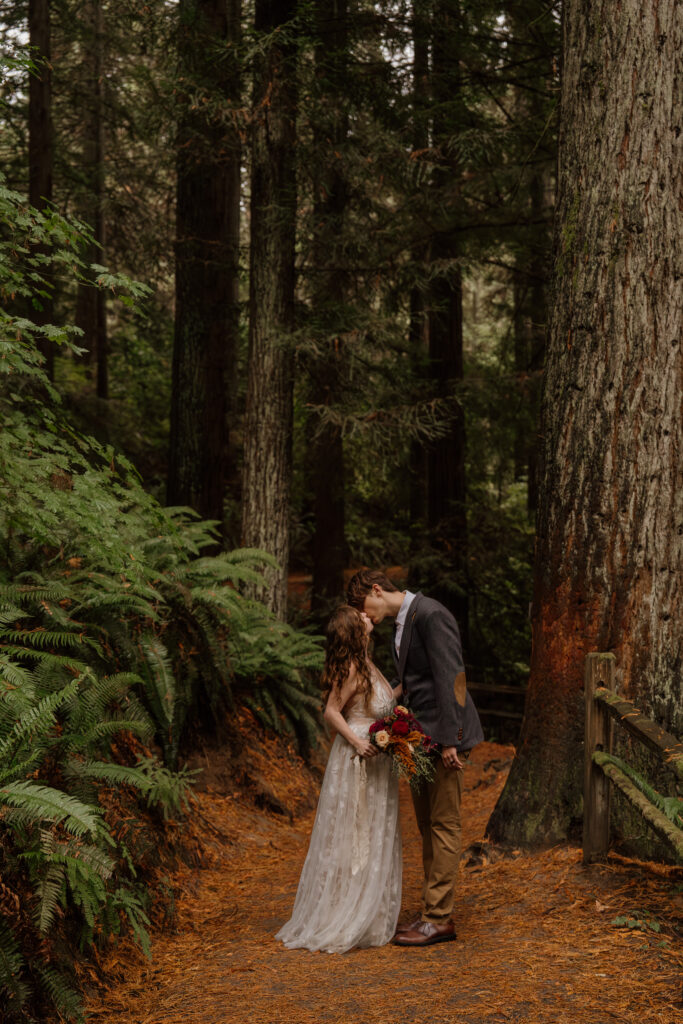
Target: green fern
x=65 y=999
x=38 y=655
x=169 y=791
x=48 y=892
x=126 y=900
x=106 y=701
x=111 y=620
x=160 y=692
x=67 y=870
x=37 y=721
x=111 y=774
x=31 y=803
x=40 y=638
x=12 y=965
x=106 y=731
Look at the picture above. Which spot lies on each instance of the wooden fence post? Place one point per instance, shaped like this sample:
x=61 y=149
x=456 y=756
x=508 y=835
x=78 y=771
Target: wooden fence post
x=598 y=671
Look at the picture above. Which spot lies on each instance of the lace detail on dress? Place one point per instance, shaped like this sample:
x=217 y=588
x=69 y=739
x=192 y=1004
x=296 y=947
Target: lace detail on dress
x=361 y=823
x=364 y=711
x=350 y=887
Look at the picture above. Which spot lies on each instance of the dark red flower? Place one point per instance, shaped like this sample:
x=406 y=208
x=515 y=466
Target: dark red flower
x=376 y=726
x=400 y=728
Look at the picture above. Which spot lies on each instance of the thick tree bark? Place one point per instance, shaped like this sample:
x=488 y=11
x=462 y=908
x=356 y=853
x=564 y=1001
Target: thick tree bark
x=207 y=254
x=40 y=140
x=609 y=546
x=268 y=419
x=329 y=292
x=91 y=302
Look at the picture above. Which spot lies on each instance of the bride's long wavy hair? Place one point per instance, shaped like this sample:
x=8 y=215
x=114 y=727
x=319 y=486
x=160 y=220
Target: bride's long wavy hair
x=346 y=644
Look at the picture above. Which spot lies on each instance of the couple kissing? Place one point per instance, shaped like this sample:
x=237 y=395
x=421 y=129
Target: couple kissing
x=349 y=892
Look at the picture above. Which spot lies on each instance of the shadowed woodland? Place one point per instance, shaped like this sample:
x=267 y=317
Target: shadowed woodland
x=288 y=288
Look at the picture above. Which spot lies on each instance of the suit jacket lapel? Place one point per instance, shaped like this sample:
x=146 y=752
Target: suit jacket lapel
x=407 y=634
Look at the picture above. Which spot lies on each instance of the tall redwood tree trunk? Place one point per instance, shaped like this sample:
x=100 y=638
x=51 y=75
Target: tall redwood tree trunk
x=41 y=140
x=609 y=557
x=207 y=253
x=327 y=446
x=268 y=419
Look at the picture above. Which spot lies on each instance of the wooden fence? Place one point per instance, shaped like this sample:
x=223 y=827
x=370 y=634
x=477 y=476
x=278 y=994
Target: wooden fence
x=603 y=708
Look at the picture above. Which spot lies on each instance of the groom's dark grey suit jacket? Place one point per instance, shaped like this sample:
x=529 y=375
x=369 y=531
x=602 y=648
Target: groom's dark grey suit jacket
x=432 y=671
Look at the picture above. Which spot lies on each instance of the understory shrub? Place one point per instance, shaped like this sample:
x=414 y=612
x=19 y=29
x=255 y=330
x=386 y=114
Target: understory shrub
x=118 y=638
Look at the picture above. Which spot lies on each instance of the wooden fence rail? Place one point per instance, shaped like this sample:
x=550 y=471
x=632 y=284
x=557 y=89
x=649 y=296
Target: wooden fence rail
x=603 y=708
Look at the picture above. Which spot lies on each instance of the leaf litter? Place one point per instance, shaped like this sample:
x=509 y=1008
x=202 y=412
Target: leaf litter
x=535 y=944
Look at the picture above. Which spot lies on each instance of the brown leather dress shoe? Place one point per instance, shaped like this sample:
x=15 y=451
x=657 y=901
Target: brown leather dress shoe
x=426 y=934
x=410 y=926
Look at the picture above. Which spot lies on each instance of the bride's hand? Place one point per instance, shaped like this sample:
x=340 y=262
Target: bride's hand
x=365 y=748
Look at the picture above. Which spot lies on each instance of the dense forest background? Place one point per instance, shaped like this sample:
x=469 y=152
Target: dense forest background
x=343 y=217
x=276 y=286
x=273 y=286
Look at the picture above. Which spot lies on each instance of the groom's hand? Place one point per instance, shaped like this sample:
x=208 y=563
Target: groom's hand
x=449 y=756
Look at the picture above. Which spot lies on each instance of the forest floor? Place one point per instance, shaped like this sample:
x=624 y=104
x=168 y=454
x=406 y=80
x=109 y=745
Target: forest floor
x=537 y=942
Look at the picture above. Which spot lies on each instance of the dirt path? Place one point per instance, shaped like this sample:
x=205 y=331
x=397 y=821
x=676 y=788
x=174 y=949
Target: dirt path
x=536 y=940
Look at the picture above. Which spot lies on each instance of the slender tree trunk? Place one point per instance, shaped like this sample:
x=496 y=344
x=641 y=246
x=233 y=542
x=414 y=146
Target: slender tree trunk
x=446 y=483
x=520 y=332
x=531 y=277
x=207 y=254
x=419 y=324
x=91 y=302
x=327 y=446
x=529 y=327
x=40 y=140
x=538 y=317
x=446 y=460
x=268 y=419
x=532 y=239
x=609 y=558
x=101 y=346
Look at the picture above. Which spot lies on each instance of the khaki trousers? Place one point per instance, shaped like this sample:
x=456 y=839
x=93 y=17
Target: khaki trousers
x=437 y=809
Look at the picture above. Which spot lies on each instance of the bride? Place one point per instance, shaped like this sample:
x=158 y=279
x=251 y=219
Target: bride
x=350 y=887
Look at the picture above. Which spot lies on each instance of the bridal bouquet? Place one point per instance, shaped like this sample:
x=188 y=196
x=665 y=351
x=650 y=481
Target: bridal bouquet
x=401 y=736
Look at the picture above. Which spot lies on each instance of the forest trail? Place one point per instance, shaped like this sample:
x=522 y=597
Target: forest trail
x=536 y=943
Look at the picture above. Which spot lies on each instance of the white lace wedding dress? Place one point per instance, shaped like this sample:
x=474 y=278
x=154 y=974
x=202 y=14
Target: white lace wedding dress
x=350 y=887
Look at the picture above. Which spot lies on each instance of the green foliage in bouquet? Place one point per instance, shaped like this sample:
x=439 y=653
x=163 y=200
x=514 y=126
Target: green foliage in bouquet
x=400 y=736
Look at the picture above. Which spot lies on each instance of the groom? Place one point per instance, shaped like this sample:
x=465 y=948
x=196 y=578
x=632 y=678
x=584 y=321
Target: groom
x=428 y=659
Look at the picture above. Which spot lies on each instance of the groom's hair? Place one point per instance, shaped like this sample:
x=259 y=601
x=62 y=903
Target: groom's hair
x=362 y=582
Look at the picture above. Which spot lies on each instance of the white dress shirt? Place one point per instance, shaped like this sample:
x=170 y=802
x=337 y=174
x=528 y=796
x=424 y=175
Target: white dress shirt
x=401 y=618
